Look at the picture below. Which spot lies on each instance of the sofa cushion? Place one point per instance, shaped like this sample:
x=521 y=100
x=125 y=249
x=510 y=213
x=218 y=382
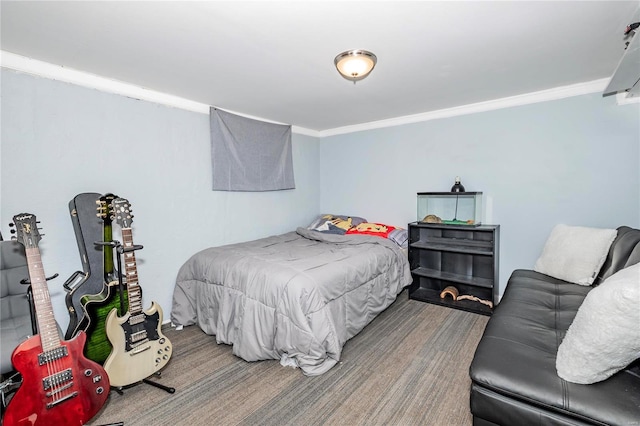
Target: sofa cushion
x=604 y=337
x=575 y=253
x=516 y=358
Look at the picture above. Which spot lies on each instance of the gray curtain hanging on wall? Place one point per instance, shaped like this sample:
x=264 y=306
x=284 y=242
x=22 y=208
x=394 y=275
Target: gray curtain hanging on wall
x=249 y=155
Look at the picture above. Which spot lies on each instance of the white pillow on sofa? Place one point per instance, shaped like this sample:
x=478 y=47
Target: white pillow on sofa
x=575 y=253
x=604 y=336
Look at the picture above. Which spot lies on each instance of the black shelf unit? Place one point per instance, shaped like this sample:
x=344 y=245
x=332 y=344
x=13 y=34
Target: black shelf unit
x=465 y=257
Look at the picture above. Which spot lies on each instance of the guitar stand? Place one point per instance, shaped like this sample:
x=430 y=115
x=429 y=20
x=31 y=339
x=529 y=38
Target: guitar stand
x=115 y=244
x=8 y=387
x=120 y=250
x=167 y=389
x=158 y=385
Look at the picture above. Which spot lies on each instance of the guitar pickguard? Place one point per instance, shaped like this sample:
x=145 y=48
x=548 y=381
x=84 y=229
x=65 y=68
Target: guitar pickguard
x=139 y=329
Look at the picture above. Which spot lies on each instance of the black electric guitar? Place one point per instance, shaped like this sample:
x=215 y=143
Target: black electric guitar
x=59 y=385
x=96 y=307
x=139 y=347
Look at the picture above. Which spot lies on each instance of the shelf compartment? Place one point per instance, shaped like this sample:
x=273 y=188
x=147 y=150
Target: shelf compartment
x=456 y=246
x=457 y=278
x=433 y=296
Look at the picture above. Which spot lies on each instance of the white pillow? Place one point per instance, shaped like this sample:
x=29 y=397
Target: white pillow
x=575 y=253
x=604 y=336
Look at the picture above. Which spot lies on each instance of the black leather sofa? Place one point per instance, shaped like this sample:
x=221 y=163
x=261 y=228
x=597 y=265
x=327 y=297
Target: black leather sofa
x=513 y=373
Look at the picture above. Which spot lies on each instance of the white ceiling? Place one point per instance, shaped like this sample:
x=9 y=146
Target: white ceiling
x=274 y=60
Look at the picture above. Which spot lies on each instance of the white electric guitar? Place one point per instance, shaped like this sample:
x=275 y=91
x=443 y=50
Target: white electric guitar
x=139 y=347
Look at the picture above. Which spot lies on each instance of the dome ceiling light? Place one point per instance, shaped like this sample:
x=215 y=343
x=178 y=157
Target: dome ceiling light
x=355 y=64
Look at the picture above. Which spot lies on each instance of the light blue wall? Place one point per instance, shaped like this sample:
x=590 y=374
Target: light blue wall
x=59 y=140
x=573 y=161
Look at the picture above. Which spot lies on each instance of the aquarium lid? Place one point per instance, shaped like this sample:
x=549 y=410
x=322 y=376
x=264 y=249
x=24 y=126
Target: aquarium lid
x=449 y=193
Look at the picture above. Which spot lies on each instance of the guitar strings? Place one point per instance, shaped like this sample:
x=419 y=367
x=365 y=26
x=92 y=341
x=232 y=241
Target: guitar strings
x=41 y=292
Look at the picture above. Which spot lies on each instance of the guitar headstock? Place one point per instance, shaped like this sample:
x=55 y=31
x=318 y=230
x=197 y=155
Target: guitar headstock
x=121 y=212
x=26 y=230
x=104 y=206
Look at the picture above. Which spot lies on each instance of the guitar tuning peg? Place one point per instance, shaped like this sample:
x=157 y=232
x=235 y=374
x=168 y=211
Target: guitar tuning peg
x=14 y=239
x=12 y=224
x=13 y=231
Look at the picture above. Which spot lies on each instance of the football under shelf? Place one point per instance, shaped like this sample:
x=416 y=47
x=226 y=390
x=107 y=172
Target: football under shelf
x=433 y=296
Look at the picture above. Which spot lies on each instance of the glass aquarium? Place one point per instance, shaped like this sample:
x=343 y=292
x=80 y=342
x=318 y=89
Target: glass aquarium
x=451 y=208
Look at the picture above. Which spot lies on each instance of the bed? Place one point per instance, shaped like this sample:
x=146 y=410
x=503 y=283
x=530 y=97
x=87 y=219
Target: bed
x=296 y=297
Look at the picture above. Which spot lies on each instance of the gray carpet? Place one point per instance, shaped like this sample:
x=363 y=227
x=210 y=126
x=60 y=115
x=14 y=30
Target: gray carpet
x=410 y=366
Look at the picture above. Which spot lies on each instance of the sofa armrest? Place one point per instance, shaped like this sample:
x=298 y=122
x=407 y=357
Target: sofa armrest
x=624 y=252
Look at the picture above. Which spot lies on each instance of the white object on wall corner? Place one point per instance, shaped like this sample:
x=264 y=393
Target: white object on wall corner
x=626 y=77
x=628 y=98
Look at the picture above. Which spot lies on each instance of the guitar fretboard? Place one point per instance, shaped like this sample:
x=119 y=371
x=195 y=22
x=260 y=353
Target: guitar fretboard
x=47 y=327
x=131 y=272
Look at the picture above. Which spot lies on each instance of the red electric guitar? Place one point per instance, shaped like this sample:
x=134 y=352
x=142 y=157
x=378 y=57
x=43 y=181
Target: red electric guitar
x=59 y=385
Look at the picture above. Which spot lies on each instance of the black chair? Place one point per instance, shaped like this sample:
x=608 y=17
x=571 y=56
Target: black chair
x=16 y=315
x=16 y=323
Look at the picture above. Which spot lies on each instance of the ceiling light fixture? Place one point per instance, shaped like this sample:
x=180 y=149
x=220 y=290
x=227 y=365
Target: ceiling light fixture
x=355 y=64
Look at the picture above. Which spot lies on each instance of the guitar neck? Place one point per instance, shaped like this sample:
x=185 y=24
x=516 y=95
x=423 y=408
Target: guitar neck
x=131 y=272
x=47 y=326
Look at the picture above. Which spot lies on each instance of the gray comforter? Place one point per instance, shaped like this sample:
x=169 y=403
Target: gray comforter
x=296 y=297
